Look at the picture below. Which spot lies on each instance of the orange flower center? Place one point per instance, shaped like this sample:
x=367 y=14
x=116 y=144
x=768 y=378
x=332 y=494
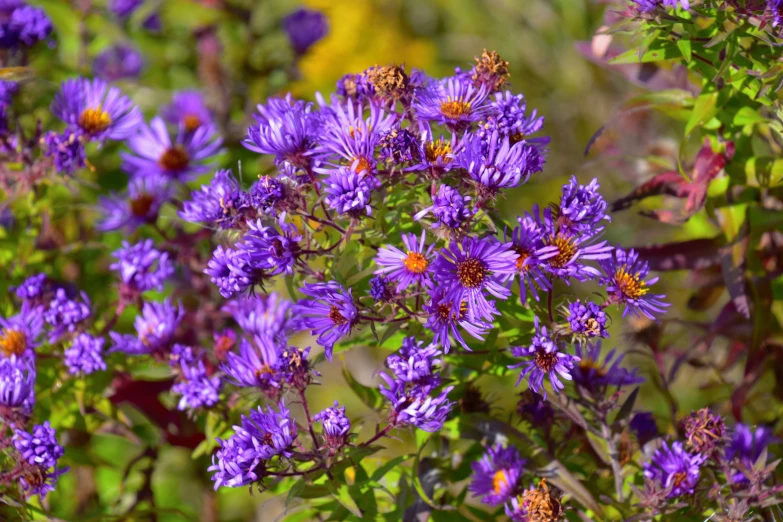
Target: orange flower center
x=629 y=284
x=174 y=159
x=437 y=149
x=362 y=164
x=454 y=109
x=416 y=262
x=264 y=370
x=93 y=121
x=192 y=122
x=12 y=342
x=523 y=255
x=499 y=481
x=141 y=205
x=471 y=273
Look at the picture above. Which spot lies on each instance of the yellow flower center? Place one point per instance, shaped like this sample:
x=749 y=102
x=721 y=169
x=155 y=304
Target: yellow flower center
x=499 y=481
x=362 y=164
x=455 y=109
x=630 y=285
x=93 y=121
x=12 y=342
x=566 y=250
x=416 y=262
x=437 y=149
x=174 y=159
x=471 y=273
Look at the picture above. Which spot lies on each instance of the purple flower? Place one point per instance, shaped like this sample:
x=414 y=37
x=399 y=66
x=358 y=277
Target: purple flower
x=469 y=268
x=152 y=23
x=497 y=164
x=33 y=288
x=39 y=448
x=118 y=62
x=355 y=87
x=187 y=110
x=17 y=383
x=330 y=313
x=444 y=321
x=156 y=154
x=23 y=24
x=264 y=316
x=336 y=426
x=270 y=250
x=673 y=467
x=267 y=193
x=155 y=329
x=526 y=241
x=625 y=283
x=66 y=149
x=454 y=102
x=182 y=353
x=411 y=267
x=415 y=405
x=746 y=446
x=533 y=408
x=95 y=110
x=413 y=362
x=221 y=202
x=198 y=390
x=305 y=27
x=508 y=118
x=582 y=208
x=256 y=366
x=141 y=266
x=260 y=437
x=124 y=8
x=595 y=375
x=295 y=368
x=349 y=192
x=65 y=314
x=39 y=481
x=7 y=92
x=644 y=426
x=496 y=476
x=399 y=146
x=140 y=205
x=85 y=355
x=232 y=271
x=449 y=207
x=379 y=289
x=587 y=320
x=20 y=333
x=704 y=431
x=548 y=359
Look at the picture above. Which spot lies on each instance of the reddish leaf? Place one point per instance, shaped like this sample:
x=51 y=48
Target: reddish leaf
x=667 y=183
x=684 y=255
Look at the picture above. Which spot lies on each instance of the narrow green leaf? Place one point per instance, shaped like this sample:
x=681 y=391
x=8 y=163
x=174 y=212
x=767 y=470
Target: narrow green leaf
x=343 y=496
x=704 y=110
x=370 y=396
x=627 y=407
x=684 y=45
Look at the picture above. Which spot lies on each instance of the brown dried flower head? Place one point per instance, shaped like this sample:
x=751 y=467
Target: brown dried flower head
x=542 y=504
x=389 y=81
x=490 y=70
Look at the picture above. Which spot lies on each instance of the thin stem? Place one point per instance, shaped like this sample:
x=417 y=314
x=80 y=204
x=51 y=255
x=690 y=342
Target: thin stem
x=614 y=457
x=309 y=419
x=549 y=305
x=377 y=436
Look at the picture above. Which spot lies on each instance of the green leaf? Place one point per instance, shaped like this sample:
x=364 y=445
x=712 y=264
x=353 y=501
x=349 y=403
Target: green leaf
x=379 y=473
x=704 y=110
x=343 y=496
x=766 y=171
x=370 y=396
x=627 y=407
x=684 y=45
x=748 y=115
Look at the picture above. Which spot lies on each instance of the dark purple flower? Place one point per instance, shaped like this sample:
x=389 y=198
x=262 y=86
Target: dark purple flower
x=444 y=321
x=746 y=446
x=411 y=267
x=197 y=389
x=154 y=152
x=153 y=23
x=595 y=375
x=232 y=272
x=454 y=102
x=66 y=149
x=582 y=208
x=508 y=118
x=256 y=366
x=39 y=481
x=414 y=362
x=141 y=266
x=118 y=62
x=497 y=164
x=415 y=404
x=20 y=333
x=39 y=448
x=295 y=368
x=124 y=8
x=399 y=146
x=65 y=314
x=673 y=467
x=469 y=268
x=85 y=355
x=625 y=283
x=183 y=354
x=330 y=314
x=349 y=193
x=95 y=110
x=17 y=383
x=140 y=205
x=533 y=408
x=7 y=92
x=355 y=87
x=275 y=252
x=704 y=431
x=155 y=328
x=380 y=289
x=23 y=24
x=264 y=316
x=644 y=426
x=188 y=110
x=449 y=208
x=305 y=27
x=587 y=320
x=33 y=288
x=496 y=477
x=526 y=240
x=336 y=426
x=221 y=202
x=267 y=193
x=548 y=359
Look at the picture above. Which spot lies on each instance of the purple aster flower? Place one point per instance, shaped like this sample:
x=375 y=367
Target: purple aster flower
x=187 y=109
x=582 y=208
x=305 y=27
x=336 y=426
x=595 y=375
x=39 y=481
x=349 y=192
x=95 y=110
x=587 y=320
x=379 y=289
x=33 y=288
x=411 y=267
x=286 y=129
x=65 y=314
x=295 y=368
x=449 y=208
x=444 y=322
x=124 y=8
x=498 y=164
x=39 y=448
x=66 y=149
x=256 y=366
x=330 y=313
x=23 y=24
x=508 y=118
x=644 y=426
x=625 y=283
x=496 y=476
x=156 y=154
x=469 y=268
x=183 y=354
x=263 y=316
x=454 y=102
x=118 y=62
x=221 y=202
x=746 y=447
x=355 y=87
x=7 y=92
x=198 y=390
x=526 y=241
x=153 y=23
x=17 y=384
x=548 y=358
x=85 y=355
x=232 y=272
x=273 y=251
x=267 y=193
x=533 y=408
x=675 y=469
x=414 y=362
x=261 y=436
x=704 y=431
x=155 y=329
x=140 y=205
x=141 y=266
x=399 y=146
x=414 y=405
x=20 y=333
